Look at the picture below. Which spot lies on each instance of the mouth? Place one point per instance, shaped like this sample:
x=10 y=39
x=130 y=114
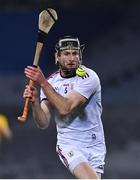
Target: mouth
x=71 y=65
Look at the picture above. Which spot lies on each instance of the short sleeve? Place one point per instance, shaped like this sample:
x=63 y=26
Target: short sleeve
x=87 y=86
x=42 y=95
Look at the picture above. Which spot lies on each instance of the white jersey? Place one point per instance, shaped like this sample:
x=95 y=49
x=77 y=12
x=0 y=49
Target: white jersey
x=83 y=126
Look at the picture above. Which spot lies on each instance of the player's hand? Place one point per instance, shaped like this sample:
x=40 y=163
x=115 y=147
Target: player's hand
x=35 y=74
x=31 y=92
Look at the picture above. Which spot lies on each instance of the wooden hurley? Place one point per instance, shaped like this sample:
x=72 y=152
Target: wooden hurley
x=47 y=18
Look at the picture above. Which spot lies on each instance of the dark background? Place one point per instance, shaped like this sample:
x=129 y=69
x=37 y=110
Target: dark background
x=110 y=29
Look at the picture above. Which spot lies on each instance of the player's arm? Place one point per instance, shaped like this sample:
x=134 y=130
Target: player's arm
x=41 y=111
x=41 y=114
x=64 y=105
x=83 y=90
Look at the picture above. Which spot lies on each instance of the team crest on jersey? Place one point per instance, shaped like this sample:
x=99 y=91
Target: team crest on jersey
x=70 y=153
x=72 y=86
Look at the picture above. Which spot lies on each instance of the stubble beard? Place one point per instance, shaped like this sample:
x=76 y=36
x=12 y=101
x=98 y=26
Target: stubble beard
x=68 y=72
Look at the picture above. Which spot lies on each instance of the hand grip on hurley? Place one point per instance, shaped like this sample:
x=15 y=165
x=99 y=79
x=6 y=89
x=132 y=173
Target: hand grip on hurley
x=47 y=18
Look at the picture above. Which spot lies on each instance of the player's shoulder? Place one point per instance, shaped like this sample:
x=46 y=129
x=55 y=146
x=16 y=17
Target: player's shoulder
x=90 y=72
x=53 y=75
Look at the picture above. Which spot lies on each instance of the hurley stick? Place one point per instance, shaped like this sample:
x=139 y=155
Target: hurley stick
x=46 y=20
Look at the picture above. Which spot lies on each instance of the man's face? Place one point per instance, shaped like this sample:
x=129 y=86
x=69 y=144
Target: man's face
x=69 y=58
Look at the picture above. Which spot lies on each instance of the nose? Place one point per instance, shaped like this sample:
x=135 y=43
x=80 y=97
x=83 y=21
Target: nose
x=71 y=57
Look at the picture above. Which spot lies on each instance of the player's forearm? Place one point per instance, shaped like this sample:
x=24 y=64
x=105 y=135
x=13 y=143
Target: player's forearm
x=58 y=101
x=42 y=120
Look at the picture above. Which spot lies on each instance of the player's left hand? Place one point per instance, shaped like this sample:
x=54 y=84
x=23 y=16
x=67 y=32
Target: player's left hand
x=35 y=74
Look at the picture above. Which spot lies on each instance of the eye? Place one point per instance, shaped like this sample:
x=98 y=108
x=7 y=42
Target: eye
x=66 y=53
x=75 y=53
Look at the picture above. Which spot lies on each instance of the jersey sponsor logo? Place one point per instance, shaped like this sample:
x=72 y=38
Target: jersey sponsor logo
x=65 y=85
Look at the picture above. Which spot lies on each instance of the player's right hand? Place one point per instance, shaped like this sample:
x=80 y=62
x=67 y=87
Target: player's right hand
x=30 y=92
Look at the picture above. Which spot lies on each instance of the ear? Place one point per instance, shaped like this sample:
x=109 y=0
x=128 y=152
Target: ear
x=56 y=57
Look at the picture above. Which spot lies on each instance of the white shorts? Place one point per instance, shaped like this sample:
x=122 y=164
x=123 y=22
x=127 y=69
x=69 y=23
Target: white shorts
x=71 y=156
